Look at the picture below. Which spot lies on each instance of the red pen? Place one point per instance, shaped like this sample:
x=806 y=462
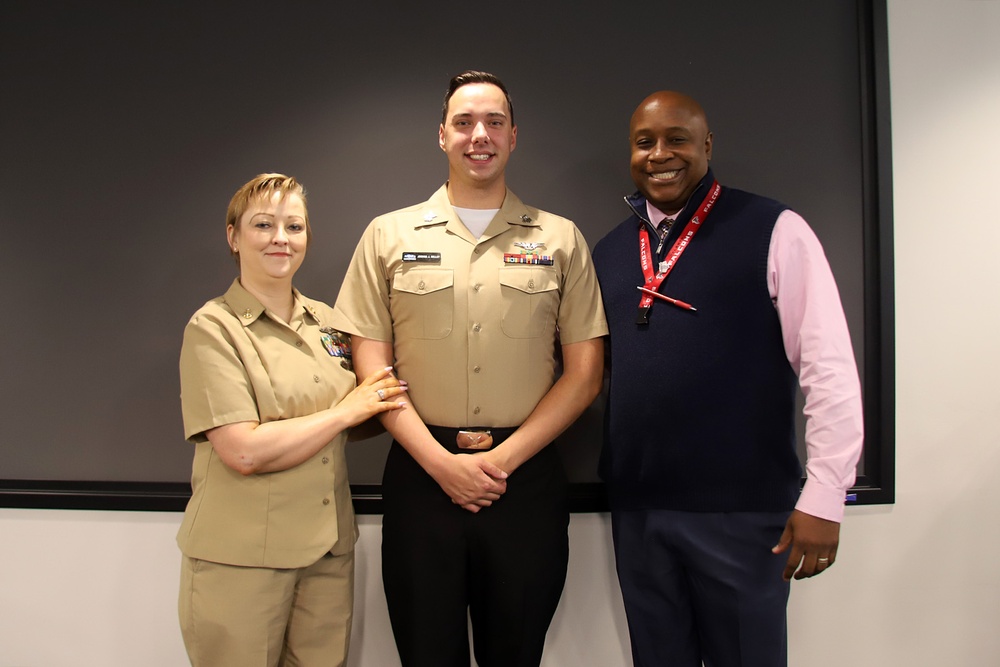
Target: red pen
x=676 y=302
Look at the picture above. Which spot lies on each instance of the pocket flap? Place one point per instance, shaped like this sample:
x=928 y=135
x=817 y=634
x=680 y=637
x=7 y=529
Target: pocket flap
x=423 y=281
x=530 y=280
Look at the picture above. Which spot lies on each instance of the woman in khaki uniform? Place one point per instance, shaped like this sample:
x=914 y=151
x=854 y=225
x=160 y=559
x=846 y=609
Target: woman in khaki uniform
x=268 y=396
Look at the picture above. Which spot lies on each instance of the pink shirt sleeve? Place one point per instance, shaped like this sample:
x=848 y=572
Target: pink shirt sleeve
x=818 y=346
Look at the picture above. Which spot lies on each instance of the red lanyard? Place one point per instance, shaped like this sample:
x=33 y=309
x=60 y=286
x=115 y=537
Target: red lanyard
x=653 y=281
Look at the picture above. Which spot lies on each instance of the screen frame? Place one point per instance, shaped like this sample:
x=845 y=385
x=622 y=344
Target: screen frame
x=875 y=486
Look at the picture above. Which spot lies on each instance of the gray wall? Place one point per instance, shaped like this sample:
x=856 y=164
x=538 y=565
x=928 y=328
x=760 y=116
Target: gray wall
x=125 y=131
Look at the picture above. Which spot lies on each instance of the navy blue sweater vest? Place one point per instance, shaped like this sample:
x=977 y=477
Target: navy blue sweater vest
x=701 y=406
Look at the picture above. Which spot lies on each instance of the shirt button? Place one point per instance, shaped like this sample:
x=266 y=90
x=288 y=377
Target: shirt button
x=422 y=285
x=298 y=343
x=477 y=251
x=475 y=369
x=326 y=501
x=531 y=284
x=315 y=378
x=325 y=460
x=476 y=411
x=476 y=327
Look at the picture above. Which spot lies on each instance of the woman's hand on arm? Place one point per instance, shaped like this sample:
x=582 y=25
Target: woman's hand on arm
x=249 y=447
x=377 y=393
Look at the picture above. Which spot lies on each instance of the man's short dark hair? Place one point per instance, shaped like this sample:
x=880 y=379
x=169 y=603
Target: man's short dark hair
x=474 y=76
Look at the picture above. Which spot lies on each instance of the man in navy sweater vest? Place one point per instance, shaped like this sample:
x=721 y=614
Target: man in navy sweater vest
x=720 y=304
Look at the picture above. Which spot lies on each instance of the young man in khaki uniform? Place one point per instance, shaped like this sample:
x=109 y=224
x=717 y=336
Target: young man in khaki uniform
x=477 y=300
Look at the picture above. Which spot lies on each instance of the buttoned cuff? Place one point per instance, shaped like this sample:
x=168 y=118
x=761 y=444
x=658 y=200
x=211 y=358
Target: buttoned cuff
x=822 y=501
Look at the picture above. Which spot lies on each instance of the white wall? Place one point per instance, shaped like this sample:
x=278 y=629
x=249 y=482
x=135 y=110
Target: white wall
x=99 y=589
x=915 y=584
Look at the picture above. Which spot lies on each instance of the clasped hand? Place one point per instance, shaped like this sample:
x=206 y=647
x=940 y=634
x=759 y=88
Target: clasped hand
x=472 y=481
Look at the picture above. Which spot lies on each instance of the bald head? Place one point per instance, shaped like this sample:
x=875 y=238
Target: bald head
x=678 y=103
x=671 y=146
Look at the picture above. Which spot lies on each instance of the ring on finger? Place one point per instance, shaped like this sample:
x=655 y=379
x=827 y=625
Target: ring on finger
x=381 y=394
x=823 y=560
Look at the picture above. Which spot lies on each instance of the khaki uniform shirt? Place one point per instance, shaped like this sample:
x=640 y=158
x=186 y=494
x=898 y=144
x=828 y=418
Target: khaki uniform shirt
x=240 y=364
x=475 y=324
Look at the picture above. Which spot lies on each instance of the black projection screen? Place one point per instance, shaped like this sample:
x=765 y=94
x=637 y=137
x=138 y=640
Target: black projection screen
x=125 y=130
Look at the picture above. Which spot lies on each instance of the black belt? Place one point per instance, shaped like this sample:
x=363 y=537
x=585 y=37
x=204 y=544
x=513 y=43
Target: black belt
x=470 y=439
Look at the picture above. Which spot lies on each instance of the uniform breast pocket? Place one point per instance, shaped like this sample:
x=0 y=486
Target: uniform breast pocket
x=423 y=302
x=530 y=300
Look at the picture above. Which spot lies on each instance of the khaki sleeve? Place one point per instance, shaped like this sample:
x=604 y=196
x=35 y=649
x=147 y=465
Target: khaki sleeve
x=215 y=386
x=581 y=311
x=362 y=306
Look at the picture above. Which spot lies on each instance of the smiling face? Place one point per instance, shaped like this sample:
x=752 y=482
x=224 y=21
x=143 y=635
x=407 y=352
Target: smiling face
x=270 y=238
x=671 y=147
x=478 y=137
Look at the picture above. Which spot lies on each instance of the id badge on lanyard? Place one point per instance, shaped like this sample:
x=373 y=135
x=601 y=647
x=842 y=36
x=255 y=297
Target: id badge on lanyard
x=654 y=280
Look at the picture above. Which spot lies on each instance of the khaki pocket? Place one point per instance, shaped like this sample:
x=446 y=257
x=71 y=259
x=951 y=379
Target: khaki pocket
x=530 y=300
x=423 y=302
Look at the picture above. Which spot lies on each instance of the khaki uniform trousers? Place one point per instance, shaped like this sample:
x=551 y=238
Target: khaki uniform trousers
x=263 y=617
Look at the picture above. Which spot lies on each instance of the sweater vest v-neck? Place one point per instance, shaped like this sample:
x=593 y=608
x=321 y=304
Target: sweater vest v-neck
x=701 y=405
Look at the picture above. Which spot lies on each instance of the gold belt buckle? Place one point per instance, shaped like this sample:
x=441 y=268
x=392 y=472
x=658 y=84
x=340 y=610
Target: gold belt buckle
x=474 y=440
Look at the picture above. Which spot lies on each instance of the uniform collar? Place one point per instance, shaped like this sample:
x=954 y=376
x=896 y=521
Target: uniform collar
x=438 y=211
x=248 y=309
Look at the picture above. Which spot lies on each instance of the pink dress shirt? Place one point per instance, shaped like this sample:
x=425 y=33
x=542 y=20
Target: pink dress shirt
x=818 y=346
